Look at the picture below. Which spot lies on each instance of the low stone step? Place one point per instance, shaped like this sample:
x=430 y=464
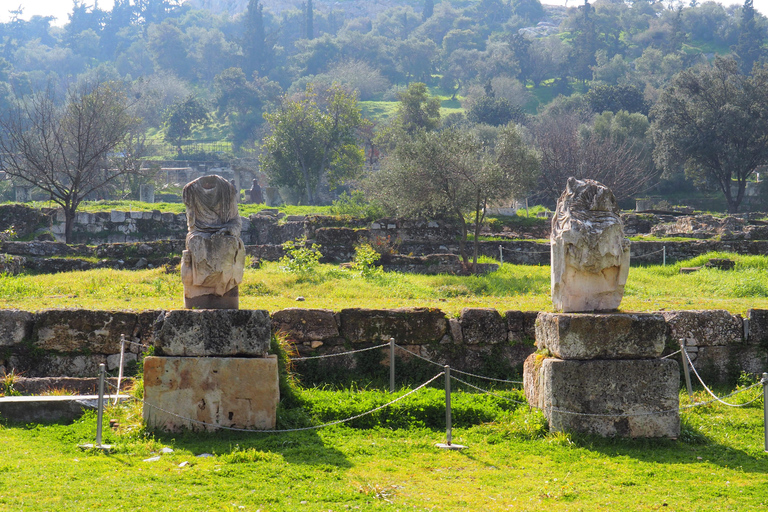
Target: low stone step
x=37 y=409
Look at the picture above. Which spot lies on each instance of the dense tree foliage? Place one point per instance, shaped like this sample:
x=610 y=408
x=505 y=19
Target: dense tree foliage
x=450 y=173
x=601 y=58
x=713 y=120
x=313 y=142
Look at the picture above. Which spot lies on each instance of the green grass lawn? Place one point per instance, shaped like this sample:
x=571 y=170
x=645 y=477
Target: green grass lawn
x=513 y=287
x=511 y=463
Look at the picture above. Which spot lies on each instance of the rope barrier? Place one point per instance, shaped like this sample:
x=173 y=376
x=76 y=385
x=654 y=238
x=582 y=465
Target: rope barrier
x=648 y=254
x=453 y=370
x=486 y=391
x=517 y=251
x=303 y=429
x=672 y=354
x=420 y=357
x=690 y=406
x=716 y=398
x=339 y=354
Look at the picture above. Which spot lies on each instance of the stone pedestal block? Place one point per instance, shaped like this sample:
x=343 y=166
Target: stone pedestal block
x=213 y=332
x=625 y=398
x=205 y=393
x=601 y=336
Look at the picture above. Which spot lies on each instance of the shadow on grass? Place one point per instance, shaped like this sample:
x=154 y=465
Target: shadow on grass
x=701 y=449
x=306 y=448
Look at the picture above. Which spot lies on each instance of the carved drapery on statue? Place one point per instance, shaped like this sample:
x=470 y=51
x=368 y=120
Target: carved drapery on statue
x=590 y=255
x=213 y=262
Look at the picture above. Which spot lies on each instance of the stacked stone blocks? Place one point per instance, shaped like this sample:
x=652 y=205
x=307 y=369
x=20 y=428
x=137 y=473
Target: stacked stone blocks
x=601 y=374
x=212 y=370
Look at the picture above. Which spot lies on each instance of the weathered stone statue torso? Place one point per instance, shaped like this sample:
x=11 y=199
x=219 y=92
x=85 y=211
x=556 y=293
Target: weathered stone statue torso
x=590 y=255
x=212 y=266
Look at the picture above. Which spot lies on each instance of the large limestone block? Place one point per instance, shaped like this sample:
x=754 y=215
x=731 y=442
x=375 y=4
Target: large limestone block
x=406 y=325
x=521 y=326
x=82 y=330
x=704 y=328
x=213 y=332
x=482 y=326
x=625 y=398
x=589 y=253
x=306 y=324
x=205 y=393
x=601 y=336
x=15 y=327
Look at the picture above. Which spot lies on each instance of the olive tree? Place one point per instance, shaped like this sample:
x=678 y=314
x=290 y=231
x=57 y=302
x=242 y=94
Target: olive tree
x=713 y=121
x=450 y=173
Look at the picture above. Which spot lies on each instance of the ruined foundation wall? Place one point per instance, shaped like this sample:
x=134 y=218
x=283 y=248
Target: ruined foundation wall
x=72 y=343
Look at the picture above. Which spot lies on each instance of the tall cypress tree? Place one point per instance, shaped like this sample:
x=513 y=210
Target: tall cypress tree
x=584 y=44
x=255 y=54
x=310 y=20
x=749 y=48
x=429 y=9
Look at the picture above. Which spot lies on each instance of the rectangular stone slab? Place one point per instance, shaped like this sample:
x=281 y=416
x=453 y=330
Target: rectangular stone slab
x=206 y=393
x=213 y=332
x=625 y=398
x=601 y=336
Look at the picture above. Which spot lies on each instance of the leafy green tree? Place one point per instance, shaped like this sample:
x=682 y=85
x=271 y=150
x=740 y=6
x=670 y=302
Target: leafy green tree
x=613 y=98
x=749 y=49
x=449 y=173
x=713 y=120
x=416 y=110
x=181 y=118
x=241 y=103
x=313 y=140
x=494 y=111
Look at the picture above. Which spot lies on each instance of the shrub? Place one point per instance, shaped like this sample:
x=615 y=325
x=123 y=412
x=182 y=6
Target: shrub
x=299 y=258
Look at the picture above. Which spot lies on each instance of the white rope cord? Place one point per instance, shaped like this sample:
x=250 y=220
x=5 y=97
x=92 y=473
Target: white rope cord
x=689 y=406
x=486 y=391
x=709 y=390
x=648 y=254
x=421 y=357
x=670 y=355
x=518 y=251
x=339 y=354
x=303 y=429
x=486 y=378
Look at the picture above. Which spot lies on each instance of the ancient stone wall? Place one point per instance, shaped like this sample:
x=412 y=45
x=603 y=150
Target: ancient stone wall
x=72 y=343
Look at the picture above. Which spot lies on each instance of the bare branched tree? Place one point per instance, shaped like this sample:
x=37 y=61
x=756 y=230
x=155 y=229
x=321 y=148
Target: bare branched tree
x=568 y=150
x=69 y=149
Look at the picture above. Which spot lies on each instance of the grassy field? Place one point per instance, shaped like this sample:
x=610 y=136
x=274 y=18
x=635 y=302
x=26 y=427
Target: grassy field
x=512 y=463
x=513 y=287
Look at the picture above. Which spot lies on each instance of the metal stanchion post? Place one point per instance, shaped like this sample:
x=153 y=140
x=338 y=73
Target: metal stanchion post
x=664 y=249
x=99 y=417
x=448 y=434
x=100 y=414
x=501 y=254
x=686 y=371
x=765 y=409
x=391 y=365
x=448 y=427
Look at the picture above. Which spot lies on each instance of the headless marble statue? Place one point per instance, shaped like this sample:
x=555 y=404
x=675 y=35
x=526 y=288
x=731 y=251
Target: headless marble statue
x=212 y=265
x=590 y=255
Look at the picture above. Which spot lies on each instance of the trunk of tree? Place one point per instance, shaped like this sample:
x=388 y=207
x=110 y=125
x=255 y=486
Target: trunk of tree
x=69 y=222
x=463 y=243
x=478 y=224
